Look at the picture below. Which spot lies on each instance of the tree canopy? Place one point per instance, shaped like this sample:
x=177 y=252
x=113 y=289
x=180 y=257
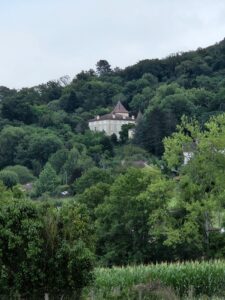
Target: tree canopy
x=68 y=194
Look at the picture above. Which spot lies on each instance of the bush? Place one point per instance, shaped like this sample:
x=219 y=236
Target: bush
x=9 y=178
x=23 y=173
x=47 y=181
x=91 y=177
x=43 y=250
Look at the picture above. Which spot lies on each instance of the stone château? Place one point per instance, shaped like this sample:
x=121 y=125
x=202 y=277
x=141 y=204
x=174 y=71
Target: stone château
x=112 y=123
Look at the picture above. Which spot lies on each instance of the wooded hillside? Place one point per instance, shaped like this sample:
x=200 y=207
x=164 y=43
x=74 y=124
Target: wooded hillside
x=122 y=201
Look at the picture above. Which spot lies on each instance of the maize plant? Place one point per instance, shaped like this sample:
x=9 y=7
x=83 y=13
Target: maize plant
x=203 y=278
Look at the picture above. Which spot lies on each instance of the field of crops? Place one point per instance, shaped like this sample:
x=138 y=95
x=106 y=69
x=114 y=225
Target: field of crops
x=160 y=281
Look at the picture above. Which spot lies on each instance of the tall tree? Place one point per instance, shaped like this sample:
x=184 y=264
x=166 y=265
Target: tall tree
x=103 y=67
x=53 y=249
x=122 y=220
x=47 y=180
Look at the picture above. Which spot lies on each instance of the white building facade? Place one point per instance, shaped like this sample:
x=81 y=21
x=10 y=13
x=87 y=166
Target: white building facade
x=112 y=123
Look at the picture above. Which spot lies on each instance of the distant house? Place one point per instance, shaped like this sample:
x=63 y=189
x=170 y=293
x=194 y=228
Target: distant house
x=112 y=123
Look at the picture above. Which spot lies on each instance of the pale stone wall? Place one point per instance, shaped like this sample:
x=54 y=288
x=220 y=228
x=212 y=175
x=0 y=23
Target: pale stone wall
x=131 y=133
x=187 y=156
x=109 y=126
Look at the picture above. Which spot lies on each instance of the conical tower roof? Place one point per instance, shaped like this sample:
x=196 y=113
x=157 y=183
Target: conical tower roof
x=139 y=116
x=119 y=108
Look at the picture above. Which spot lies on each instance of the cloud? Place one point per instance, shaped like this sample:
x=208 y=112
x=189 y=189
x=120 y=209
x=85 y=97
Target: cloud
x=44 y=40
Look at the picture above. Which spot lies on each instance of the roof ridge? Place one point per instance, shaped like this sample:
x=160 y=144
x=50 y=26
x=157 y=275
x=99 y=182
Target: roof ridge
x=119 y=108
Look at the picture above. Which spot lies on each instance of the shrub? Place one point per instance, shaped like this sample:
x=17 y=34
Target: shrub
x=47 y=181
x=9 y=178
x=23 y=173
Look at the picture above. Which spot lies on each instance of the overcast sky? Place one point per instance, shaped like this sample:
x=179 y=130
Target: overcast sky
x=42 y=40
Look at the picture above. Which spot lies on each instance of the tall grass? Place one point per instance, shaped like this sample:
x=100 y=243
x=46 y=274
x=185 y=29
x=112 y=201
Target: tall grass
x=203 y=278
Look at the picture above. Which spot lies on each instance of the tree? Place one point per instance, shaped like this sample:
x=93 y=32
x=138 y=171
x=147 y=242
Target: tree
x=123 y=218
x=58 y=159
x=68 y=250
x=76 y=164
x=20 y=232
x=152 y=128
x=103 y=67
x=124 y=132
x=118 y=97
x=23 y=173
x=10 y=138
x=6 y=92
x=9 y=178
x=93 y=196
x=53 y=250
x=37 y=145
x=200 y=187
x=52 y=90
x=92 y=177
x=19 y=106
x=70 y=102
x=47 y=180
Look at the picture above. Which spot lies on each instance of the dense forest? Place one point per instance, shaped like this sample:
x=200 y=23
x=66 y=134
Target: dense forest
x=121 y=212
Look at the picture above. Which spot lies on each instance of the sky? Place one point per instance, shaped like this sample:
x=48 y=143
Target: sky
x=42 y=40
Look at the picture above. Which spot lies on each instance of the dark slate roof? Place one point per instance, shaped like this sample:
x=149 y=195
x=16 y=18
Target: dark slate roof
x=115 y=114
x=139 y=116
x=111 y=117
x=119 y=108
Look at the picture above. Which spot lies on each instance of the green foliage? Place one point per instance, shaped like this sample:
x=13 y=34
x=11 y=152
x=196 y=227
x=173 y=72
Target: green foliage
x=103 y=67
x=203 y=278
x=124 y=132
x=58 y=159
x=53 y=249
x=122 y=219
x=9 y=178
x=169 y=212
x=97 y=145
x=39 y=146
x=93 y=196
x=75 y=165
x=21 y=238
x=92 y=177
x=19 y=106
x=68 y=250
x=47 y=181
x=27 y=146
x=4 y=192
x=69 y=102
x=23 y=173
x=10 y=137
x=200 y=191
